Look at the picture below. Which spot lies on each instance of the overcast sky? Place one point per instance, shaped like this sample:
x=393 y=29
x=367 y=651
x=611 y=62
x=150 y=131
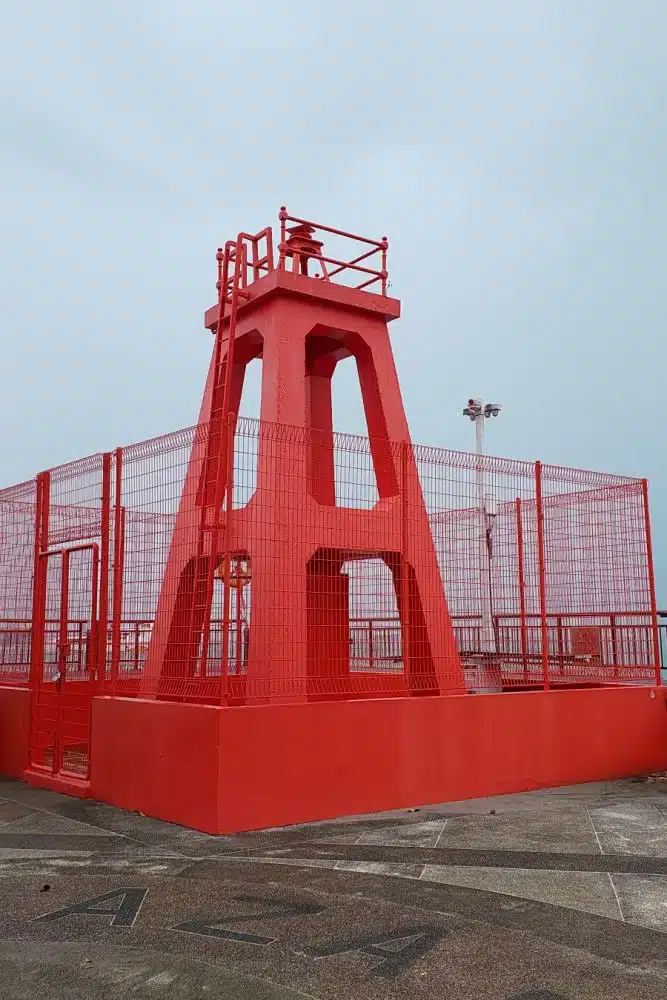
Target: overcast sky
x=514 y=151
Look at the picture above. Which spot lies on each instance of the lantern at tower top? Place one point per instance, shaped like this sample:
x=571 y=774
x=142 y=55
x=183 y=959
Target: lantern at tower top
x=301 y=247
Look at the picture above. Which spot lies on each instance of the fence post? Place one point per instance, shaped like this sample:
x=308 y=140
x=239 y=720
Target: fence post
x=522 y=587
x=541 y=563
x=614 y=649
x=370 y=644
x=651 y=583
x=105 y=535
x=560 y=640
x=404 y=605
x=42 y=501
x=118 y=560
x=224 y=490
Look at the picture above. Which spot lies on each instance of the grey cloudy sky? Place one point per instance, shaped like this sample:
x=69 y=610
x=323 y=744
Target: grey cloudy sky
x=514 y=152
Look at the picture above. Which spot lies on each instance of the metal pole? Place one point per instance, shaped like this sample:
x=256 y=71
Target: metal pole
x=41 y=544
x=651 y=584
x=237 y=596
x=522 y=587
x=542 y=576
x=487 y=634
x=105 y=536
x=117 y=577
x=409 y=677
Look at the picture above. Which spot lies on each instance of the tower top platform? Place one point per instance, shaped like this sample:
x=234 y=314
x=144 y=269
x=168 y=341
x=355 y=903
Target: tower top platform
x=301 y=268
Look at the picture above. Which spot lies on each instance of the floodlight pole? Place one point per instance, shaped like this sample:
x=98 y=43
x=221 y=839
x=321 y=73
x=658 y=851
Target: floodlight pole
x=478 y=412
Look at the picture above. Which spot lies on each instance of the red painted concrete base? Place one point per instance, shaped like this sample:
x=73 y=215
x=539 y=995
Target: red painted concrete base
x=246 y=768
x=65 y=784
x=14 y=731
x=160 y=758
x=232 y=769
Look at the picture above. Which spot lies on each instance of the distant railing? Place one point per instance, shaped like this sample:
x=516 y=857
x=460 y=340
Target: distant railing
x=376 y=642
x=662 y=631
x=15 y=651
x=375 y=646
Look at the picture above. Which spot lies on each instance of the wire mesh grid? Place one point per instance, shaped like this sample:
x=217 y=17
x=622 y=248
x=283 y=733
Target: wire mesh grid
x=346 y=567
x=17 y=545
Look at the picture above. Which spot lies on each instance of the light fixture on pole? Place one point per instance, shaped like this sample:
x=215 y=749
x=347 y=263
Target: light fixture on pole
x=478 y=412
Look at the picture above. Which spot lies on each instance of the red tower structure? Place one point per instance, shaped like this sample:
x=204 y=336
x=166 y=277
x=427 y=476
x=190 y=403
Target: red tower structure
x=291 y=537
x=311 y=711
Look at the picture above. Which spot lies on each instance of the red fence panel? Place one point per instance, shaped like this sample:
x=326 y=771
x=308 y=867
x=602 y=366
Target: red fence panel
x=546 y=571
x=17 y=545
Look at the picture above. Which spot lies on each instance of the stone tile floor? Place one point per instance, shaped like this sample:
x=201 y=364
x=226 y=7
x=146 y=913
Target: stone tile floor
x=554 y=895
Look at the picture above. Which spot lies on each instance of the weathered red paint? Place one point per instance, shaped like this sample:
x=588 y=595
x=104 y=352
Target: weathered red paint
x=14 y=730
x=284 y=764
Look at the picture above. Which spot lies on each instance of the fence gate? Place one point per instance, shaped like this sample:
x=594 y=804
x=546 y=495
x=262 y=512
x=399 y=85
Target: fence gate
x=64 y=660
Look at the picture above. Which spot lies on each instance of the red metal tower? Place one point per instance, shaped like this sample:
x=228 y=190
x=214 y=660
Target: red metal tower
x=292 y=537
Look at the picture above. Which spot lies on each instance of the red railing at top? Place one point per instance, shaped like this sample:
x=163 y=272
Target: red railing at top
x=252 y=256
x=300 y=243
x=255 y=261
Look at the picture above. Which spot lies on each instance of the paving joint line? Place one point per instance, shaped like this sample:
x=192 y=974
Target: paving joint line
x=618 y=902
x=590 y=819
x=441 y=832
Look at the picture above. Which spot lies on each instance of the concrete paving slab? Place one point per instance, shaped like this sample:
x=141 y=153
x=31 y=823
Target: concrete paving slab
x=591 y=892
x=67 y=841
x=344 y=838
x=23 y=854
x=567 y=829
x=471 y=857
x=51 y=864
x=631 y=827
x=425 y=833
x=642 y=899
x=380 y=868
x=41 y=798
x=133 y=907
x=131 y=825
x=34 y=970
x=10 y=811
x=296 y=862
x=52 y=823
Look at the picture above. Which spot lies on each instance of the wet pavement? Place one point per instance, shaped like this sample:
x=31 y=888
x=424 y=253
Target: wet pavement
x=558 y=895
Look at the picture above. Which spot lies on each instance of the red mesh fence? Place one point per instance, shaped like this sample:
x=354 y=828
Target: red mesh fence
x=17 y=553
x=146 y=586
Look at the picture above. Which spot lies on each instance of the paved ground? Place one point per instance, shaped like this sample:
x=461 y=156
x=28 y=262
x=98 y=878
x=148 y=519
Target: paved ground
x=557 y=895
